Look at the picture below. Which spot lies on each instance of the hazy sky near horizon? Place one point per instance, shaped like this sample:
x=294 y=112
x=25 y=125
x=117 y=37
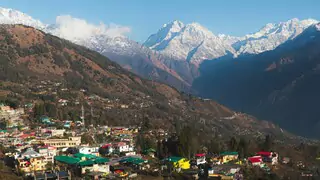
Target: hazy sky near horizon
x=144 y=17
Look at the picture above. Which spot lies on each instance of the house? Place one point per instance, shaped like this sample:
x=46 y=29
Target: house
x=28 y=165
x=269 y=157
x=135 y=162
x=67 y=124
x=30 y=161
x=255 y=160
x=89 y=150
x=48 y=152
x=29 y=153
x=3 y=133
x=84 y=163
x=58 y=132
x=45 y=120
x=130 y=153
x=179 y=162
x=122 y=147
x=200 y=158
x=227 y=156
x=70 y=142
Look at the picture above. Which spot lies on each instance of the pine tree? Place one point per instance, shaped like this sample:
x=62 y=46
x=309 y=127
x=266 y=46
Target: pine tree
x=268 y=143
x=233 y=144
x=243 y=148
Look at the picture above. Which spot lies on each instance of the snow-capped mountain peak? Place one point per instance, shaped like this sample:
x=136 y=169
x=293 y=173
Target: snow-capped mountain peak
x=167 y=32
x=10 y=16
x=271 y=36
x=174 y=26
x=192 y=42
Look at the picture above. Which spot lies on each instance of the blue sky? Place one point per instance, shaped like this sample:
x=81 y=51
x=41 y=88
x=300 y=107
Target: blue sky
x=144 y=17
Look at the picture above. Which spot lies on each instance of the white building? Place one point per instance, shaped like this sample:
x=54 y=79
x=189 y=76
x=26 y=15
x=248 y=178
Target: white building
x=89 y=150
x=201 y=159
x=58 y=132
x=48 y=152
x=122 y=147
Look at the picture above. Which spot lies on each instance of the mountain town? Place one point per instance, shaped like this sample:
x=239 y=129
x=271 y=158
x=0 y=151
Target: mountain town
x=55 y=149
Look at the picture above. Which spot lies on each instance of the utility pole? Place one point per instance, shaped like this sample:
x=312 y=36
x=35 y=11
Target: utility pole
x=91 y=110
x=82 y=115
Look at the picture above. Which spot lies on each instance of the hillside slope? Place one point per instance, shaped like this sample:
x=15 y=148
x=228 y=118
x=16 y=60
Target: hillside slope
x=29 y=56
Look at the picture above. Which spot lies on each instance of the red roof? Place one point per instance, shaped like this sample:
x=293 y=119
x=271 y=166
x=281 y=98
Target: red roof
x=200 y=155
x=264 y=153
x=47 y=147
x=25 y=136
x=106 y=145
x=120 y=144
x=255 y=159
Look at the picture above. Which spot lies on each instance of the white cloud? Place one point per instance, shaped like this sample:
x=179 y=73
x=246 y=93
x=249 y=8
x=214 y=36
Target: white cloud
x=73 y=28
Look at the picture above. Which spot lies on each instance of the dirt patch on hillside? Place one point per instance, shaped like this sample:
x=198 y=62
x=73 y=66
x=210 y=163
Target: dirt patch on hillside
x=25 y=36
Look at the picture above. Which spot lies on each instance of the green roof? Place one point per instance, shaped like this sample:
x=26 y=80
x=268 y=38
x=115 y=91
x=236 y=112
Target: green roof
x=86 y=163
x=87 y=156
x=228 y=153
x=133 y=160
x=67 y=159
x=101 y=160
x=138 y=161
x=174 y=158
x=73 y=160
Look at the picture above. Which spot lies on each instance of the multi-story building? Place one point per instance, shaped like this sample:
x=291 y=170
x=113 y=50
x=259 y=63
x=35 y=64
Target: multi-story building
x=48 y=152
x=59 y=143
x=31 y=161
x=122 y=147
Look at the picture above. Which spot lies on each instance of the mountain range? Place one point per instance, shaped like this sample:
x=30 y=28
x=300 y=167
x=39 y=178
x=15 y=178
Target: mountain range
x=173 y=54
x=271 y=73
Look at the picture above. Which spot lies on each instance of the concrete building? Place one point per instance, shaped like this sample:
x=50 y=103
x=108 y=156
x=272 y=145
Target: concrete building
x=58 y=132
x=48 y=152
x=59 y=143
x=89 y=150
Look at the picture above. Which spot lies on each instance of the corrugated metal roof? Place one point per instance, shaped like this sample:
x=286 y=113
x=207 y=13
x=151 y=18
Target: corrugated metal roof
x=87 y=156
x=67 y=159
x=86 y=163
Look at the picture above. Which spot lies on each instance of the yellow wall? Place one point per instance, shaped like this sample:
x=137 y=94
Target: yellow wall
x=228 y=158
x=182 y=163
x=37 y=164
